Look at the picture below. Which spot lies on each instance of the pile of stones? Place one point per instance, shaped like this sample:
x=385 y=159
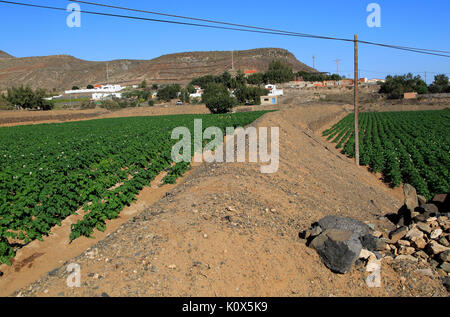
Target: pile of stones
x=422 y=234
x=423 y=231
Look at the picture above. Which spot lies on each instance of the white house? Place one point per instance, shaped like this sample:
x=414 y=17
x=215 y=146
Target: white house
x=101 y=96
x=198 y=92
x=273 y=91
x=101 y=89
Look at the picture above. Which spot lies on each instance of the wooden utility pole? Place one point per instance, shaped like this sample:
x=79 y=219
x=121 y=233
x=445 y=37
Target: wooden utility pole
x=356 y=102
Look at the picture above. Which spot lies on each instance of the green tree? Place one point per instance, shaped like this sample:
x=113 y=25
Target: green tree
x=250 y=94
x=90 y=87
x=27 y=98
x=169 y=92
x=440 y=84
x=217 y=98
x=185 y=96
x=75 y=88
x=143 y=84
x=396 y=86
x=155 y=87
x=191 y=89
x=256 y=79
x=278 y=73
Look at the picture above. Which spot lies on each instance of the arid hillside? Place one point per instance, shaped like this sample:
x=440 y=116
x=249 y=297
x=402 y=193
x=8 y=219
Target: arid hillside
x=5 y=55
x=63 y=71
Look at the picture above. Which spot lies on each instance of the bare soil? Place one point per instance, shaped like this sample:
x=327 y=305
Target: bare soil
x=228 y=230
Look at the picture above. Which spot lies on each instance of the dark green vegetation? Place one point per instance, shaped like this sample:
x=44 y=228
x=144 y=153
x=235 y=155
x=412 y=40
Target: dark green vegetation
x=25 y=98
x=48 y=172
x=411 y=147
x=218 y=99
x=396 y=86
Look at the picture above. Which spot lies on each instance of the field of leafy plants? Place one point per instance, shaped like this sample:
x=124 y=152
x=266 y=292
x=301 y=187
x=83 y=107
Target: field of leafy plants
x=407 y=147
x=48 y=172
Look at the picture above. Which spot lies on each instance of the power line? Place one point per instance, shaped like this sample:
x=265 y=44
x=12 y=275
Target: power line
x=250 y=29
x=260 y=28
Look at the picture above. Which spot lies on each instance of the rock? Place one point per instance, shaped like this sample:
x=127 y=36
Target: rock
x=419 y=243
x=443 y=202
x=420 y=218
x=434 y=263
x=413 y=234
x=444 y=242
x=436 y=234
x=374 y=279
x=411 y=200
x=446 y=281
x=422 y=255
x=105 y=295
x=445 y=256
x=346 y=224
x=426 y=272
x=398 y=234
x=435 y=248
x=429 y=210
x=424 y=227
x=315 y=231
x=408 y=258
x=373 y=243
x=377 y=234
x=422 y=200
x=406 y=251
x=446 y=267
x=338 y=249
x=404 y=243
x=366 y=254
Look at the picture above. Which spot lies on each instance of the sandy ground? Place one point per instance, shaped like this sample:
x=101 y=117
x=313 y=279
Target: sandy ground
x=228 y=230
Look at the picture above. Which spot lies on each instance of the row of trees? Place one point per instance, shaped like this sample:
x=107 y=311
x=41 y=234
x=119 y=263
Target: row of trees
x=396 y=86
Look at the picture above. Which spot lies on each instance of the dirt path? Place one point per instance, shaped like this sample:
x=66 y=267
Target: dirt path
x=228 y=230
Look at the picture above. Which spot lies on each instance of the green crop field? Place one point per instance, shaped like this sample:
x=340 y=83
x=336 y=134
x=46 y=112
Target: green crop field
x=48 y=172
x=407 y=147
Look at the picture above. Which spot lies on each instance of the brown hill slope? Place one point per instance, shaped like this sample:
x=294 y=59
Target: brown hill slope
x=63 y=71
x=5 y=55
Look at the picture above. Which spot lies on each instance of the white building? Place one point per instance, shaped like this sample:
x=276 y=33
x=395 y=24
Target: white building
x=273 y=91
x=102 y=89
x=198 y=92
x=101 y=96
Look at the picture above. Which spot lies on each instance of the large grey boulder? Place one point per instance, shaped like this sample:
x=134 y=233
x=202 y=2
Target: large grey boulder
x=338 y=249
x=347 y=224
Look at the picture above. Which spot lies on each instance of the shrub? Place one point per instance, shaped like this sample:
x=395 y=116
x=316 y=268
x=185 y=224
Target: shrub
x=88 y=104
x=111 y=104
x=151 y=103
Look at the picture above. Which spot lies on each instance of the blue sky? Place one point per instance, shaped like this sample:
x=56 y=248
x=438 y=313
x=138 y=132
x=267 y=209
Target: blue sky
x=418 y=23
